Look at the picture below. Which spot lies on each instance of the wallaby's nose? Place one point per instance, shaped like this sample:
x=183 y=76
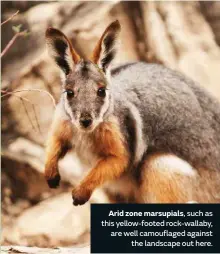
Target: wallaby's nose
x=86 y=122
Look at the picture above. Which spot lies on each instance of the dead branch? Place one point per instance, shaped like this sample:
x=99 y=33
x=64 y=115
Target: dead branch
x=31 y=90
x=11 y=42
x=23 y=99
x=6 y=92
x=26 y=112
x=36 y=119
x=11 y=17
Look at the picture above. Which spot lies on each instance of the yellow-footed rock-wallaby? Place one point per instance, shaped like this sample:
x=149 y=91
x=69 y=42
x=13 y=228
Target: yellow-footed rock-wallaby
x=144 y=130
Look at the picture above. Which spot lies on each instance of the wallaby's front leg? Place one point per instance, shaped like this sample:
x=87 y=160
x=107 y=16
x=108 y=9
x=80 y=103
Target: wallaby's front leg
x=107 y=169
x=112 y=164
x=59 y=142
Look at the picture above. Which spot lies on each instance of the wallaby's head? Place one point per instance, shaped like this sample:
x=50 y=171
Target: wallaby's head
x=86 y=89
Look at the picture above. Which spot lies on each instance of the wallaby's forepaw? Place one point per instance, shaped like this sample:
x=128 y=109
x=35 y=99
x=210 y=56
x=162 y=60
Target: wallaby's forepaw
x=80 y=197
x=53 y=182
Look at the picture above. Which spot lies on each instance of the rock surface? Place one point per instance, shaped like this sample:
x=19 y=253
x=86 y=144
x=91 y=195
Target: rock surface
x=33 y=250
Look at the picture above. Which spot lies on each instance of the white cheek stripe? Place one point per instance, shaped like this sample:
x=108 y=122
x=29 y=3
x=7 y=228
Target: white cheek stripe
x=105 y=106
x=140 y=145
x=68 y=108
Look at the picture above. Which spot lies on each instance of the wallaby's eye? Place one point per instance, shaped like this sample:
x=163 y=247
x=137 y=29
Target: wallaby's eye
x=101 y=92
x=70 y=93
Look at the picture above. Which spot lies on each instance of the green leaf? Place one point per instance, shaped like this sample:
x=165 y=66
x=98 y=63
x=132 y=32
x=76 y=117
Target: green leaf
x=17 y=28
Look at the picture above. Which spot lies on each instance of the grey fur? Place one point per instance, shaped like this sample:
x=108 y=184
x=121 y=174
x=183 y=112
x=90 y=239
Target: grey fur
x=85 y=80
x=178 y=115
x=158 y=109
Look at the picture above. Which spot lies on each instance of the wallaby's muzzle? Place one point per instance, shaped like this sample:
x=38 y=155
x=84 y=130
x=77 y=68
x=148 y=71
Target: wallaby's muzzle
x=85 y=120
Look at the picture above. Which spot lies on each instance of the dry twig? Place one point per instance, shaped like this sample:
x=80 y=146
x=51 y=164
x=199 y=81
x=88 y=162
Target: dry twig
x=7 y=93
x=18 y=33
x=11 y=42
x=23 y=99
x=33 y=90
x=11 y=17
x=26 y=111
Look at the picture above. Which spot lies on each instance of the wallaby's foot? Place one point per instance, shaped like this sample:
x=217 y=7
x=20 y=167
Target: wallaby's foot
x=80 y=196
x=53 y=181
x=52 y=175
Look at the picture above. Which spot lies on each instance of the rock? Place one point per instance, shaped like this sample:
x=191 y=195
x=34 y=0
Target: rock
x=33 y=250
x=23 y=183
x=53 y=222
x=184 y=44
x=25 y=151
x=211 y=11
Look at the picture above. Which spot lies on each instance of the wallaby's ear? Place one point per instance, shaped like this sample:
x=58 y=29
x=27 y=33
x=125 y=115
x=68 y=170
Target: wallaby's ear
x=61 y=50
x=105 y=49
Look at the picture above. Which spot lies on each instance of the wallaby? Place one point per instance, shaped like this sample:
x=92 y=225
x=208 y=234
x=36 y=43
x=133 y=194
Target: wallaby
x=143 y=130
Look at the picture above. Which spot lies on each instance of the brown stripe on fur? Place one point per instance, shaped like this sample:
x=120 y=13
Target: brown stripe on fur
x=113 y=27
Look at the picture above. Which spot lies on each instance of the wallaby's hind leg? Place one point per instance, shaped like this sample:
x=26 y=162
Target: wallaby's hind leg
x=165 y=178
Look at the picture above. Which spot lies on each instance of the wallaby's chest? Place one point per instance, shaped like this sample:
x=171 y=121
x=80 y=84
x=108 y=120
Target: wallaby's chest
x=84 y=148
x=106 y=140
